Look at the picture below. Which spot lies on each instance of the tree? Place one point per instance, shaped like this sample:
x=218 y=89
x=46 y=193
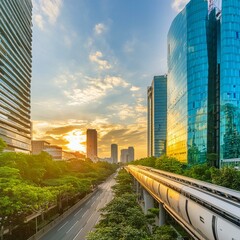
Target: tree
x=149 y=162
x=227 y=177
x=164 y=232
x=169 y=164
x=202 y=172
x=2 y=145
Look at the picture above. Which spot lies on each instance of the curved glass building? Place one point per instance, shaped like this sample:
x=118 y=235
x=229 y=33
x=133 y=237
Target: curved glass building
x=188 y=84
x=230 y=81
x=15 y=73
x=204 y=84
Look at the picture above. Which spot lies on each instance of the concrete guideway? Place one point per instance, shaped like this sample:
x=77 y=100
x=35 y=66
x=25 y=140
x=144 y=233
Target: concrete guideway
x=205 y=210
x=81 y=221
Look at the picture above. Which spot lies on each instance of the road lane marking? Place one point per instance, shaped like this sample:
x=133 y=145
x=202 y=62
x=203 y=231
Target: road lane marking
x=62 y=226
x=77 y=234
x=72 y=227
x=89 y=218
x=77 y=212
x=85 y=213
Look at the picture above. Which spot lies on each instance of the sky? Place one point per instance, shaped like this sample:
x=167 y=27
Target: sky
x=92 y=63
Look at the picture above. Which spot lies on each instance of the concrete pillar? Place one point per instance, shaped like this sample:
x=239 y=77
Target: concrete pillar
x=148 y=201
x=162 y=215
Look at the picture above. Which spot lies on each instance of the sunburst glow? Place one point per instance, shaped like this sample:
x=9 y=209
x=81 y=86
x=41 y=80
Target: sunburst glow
x=76 y=139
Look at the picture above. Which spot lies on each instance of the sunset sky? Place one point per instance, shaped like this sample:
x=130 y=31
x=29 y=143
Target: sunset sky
x=92 y=63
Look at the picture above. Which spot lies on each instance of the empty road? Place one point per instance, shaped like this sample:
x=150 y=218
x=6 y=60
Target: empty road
x=77 y=225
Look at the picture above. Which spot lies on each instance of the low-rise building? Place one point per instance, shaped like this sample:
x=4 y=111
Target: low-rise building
x=38 y=146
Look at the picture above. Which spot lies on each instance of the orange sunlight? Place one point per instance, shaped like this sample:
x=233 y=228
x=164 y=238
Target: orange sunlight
x=75 y=139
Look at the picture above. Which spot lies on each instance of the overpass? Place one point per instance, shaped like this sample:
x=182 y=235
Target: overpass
x=205 y=210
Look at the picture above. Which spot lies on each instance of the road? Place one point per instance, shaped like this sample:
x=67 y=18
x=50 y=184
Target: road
x=77 y=225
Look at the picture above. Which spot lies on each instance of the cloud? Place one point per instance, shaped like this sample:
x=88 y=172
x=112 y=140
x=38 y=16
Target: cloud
x=59 y=133
x=51 y=8
x=126 y=111
x=102 y=64
x=94 y=89
x=46 y=11
x=134 y=89
x=39 y=21
x=178 y=5
x=100 y=28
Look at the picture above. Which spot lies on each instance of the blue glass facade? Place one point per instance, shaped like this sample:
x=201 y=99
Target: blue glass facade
x=157 y=116
x=15 y=73
x=188 y=84
x=230 y=80
x=204 y=83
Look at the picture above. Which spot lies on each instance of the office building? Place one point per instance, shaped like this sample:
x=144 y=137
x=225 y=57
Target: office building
x=114 y=153
x=15 y=74
x=124 y=156
x=38 y=146
x=92 y=144
x=55 y=151
x=204 y=83
x=157 y=116
x=130 y=154
x=127 y=155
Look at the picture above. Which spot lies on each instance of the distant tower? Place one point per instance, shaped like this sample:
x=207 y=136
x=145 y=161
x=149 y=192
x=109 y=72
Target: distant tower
x=114 y=153
x=92 y=144
x=130 y=154
x=157 y=116
x=124 y=155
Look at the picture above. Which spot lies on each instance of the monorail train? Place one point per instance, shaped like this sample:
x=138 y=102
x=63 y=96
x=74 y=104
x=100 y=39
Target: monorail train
x=204 y=215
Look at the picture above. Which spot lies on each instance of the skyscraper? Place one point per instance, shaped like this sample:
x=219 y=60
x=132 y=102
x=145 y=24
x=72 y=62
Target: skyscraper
x=130 y=154
x=114 y=153
x=229 y=54
x=157 y=116
x=127 y=155
x=15 y=73
x=204 y=83
x=92 y=144
x=124 y=155
x=188 y=84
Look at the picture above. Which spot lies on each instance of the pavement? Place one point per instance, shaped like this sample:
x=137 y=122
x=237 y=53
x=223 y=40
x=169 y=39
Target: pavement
x=77 y=225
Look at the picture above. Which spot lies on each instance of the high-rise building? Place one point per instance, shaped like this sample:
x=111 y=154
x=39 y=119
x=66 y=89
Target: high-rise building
x=188 y=84
x=157 y=116
x=15 y=73
x=204 y=83
x=114 y=153
x=229 y=54
x=127 y=155
x=130 y=154
x=92 y=144
x=124 y=155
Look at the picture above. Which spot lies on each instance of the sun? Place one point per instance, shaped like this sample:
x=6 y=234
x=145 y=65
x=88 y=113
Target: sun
x=75 y=139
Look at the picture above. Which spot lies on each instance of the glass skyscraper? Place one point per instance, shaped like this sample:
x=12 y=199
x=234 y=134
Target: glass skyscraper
x=15 y=73
x=157 y=116
x=204 y=83
x=114 y=153
x=230 y=80
x=188 y=84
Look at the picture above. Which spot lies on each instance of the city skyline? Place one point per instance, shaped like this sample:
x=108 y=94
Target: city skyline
x=100 y=76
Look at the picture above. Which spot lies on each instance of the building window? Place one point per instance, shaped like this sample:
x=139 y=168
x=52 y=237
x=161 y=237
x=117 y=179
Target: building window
x=237 y=35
